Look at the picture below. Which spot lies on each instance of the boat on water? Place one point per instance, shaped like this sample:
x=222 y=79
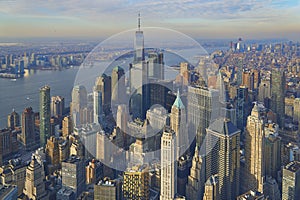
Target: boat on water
x=13 y=79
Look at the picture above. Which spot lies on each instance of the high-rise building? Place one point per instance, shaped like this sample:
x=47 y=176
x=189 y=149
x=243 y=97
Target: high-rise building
x=73 y=174
x=8 y=140
x=138 y=78
x=79 y=103
x=122 y=122
x=67 y=127
x=29 y=138
x=136 y=183
x=254 y=149
x=139 y=53
x=160 y=91
x=34 y=185
x=103 y=84
x=168 y=182
x=242 y=107
x=14 y=173
x=118 y=90
x=211 y=190
x=223 y=156
x=203 y=104
x=57 y=106
x=45 y=114
x=156 y=65
x=194 y=187
x=291 y=181
x=158 y=118
x=278 y=95
x=107 y=189
x=52 y=151
x=178 y=124
x=94 y=172
x=296 y=116
x=13 y=120
x=272 y=150
x=98 y=111
x=264 y=90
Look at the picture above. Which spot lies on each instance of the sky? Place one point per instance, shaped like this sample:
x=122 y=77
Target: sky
x=253 y=19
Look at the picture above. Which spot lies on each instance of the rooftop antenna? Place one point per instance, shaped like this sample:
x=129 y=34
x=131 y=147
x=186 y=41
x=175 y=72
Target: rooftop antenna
x=139 y=20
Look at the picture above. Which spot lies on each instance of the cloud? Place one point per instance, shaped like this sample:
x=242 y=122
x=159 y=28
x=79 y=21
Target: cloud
x=120 y=14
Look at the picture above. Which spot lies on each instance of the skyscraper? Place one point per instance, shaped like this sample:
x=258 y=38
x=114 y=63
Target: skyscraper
x=13 y=120
x=118 y=85
x=254 y=149
x=156 y=65
x=223 y=156
x=98 y=111
x=139 y=54
x=203 y=105
x=278 y=94
x=79 y=104
x=45 y=114
x=57 y=106
x=211 y=190
x=194 y=187
x=136 y=183
x=122 y=120
x=242 y=107
x=67 y=126
x=178 y=124
x=34 y=184
x=52 y=152
x=168 y=182
x=103 y=84
x=28 y=136
x=138 y=78
x=107 y=189
x=73 y=174
x=291 y=181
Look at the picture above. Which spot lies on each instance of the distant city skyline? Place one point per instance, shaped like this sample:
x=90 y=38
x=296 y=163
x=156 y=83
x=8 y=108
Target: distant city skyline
x=206 y=18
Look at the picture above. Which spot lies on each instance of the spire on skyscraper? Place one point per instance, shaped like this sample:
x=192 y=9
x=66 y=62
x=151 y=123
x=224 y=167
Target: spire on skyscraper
x=178 y=103
x=139 y=20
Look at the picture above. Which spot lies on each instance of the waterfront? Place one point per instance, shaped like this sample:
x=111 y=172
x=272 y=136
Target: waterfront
x=24 y=92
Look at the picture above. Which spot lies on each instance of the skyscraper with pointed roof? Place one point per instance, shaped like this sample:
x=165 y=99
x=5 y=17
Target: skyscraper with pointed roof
x=178 y=124
x=254 y=149
x=34 y=183
x=194 y=187
x=138 y=78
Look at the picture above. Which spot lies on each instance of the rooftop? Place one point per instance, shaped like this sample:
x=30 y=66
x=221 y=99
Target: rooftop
x=223 y=126
x=293 y=166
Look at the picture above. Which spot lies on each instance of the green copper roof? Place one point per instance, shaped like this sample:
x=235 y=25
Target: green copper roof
x=178 y=103
x=118 y=68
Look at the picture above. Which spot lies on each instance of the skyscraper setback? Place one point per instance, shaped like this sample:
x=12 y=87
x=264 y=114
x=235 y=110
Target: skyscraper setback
x=223 y=156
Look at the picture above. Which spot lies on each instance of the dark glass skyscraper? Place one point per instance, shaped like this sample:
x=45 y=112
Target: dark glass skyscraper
x=45 y=114
x=278 y=95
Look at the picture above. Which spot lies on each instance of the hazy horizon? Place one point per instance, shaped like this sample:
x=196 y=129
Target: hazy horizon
x=199 y=19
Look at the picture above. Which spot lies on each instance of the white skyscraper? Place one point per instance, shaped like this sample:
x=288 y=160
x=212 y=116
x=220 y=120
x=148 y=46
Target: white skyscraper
x=97 y=106
x=168 y=165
